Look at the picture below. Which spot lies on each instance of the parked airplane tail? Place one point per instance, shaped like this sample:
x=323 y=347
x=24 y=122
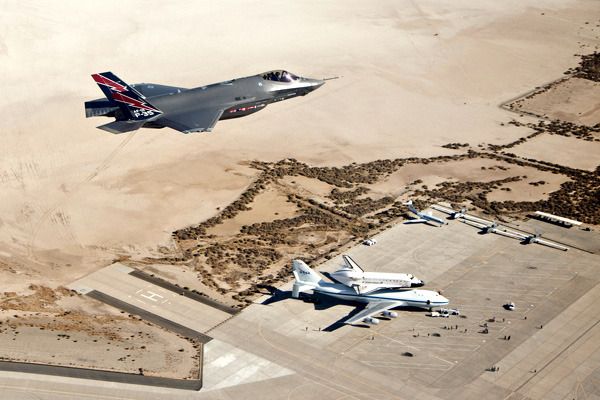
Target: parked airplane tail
x=304 y=274
x=133 y=106
x=306 y=278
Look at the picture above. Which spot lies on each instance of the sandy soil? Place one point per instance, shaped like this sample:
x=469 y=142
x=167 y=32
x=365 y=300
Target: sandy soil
x=475 y=170
x=561 y=150
x=57 y=327
x=310 y=188
x=266 y=207
x=574 y=100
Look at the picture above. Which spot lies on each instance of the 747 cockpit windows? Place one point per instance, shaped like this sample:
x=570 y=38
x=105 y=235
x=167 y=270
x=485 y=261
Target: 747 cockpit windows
x=280 y=76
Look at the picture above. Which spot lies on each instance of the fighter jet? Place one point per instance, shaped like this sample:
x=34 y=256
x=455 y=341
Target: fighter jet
x=425 y=217
x=378 y=302
x=352 y=275
x=150 y=105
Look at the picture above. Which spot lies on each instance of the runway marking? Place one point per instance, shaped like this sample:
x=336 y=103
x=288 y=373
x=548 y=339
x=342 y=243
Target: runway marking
x=391 y=364
x=152 y=296
x=314 y=377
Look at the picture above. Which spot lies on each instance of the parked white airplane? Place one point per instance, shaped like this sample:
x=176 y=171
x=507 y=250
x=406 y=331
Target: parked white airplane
x=537 y=238
x=461 y=214
x=352 y=275
x=493 y=227
x=377 y=302
x=524 y=238
x=425 y=217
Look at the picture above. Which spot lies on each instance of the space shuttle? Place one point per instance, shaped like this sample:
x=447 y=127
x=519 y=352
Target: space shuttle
x=352 y=275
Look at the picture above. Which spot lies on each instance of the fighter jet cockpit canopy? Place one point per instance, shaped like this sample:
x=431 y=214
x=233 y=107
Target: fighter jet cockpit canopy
x=280 y=76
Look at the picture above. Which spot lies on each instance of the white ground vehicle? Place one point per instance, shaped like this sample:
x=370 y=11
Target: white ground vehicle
x=449 y=311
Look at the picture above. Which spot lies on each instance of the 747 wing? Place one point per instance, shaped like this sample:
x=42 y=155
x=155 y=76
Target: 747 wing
x=372 y=309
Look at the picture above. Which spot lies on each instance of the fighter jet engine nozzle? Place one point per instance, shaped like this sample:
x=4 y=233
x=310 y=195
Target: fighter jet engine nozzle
x=390 y=314
x=371 y=321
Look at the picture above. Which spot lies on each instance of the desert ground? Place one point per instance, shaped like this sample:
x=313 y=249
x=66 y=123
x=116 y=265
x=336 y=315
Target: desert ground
x=489 y=105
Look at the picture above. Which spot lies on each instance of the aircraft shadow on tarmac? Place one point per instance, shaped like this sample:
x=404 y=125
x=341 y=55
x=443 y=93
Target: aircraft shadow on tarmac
x=321 y=302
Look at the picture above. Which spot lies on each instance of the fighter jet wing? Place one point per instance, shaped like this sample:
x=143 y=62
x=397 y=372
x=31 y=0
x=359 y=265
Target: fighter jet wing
x=202 y=120
x=372 y=309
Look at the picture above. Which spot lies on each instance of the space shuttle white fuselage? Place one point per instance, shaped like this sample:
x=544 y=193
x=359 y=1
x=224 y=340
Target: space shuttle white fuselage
x=352 y=275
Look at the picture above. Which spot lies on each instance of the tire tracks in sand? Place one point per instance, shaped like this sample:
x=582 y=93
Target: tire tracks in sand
x=103 y=165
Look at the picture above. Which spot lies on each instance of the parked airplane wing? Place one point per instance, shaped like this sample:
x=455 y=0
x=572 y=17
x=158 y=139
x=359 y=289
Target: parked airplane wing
x=471 y=218
x=443 y=209
x=202 y=120
x=510 y=234
x=372 y=309
x=551 y=244
x=415 y=221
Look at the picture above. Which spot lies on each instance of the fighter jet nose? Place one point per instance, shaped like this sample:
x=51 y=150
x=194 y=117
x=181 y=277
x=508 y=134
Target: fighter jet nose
x=314 y=84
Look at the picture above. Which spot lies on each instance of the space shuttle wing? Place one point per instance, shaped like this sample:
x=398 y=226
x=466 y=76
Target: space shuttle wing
x=366 y=288
x=199 y=120
x=372 y=309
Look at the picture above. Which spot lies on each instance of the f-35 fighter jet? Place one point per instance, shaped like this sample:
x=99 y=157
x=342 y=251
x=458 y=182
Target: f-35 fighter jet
x=150 y=105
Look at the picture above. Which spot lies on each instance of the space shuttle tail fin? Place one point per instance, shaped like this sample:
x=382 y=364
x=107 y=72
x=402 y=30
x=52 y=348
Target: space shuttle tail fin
x=350 y=263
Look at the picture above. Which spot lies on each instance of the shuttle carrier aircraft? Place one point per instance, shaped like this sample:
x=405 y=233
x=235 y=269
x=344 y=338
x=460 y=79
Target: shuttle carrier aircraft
x=377 y=302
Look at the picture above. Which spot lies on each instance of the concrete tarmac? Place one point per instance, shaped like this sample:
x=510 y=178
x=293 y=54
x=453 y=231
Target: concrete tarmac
x=280 y=350
x=117 y=282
